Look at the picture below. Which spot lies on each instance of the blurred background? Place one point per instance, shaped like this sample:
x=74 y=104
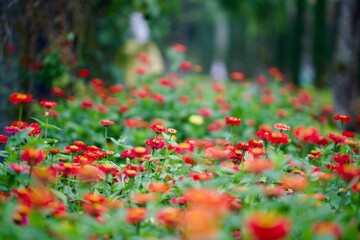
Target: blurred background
x=314 y=42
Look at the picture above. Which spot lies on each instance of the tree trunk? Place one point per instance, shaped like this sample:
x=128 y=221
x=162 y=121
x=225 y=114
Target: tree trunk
x=298 y=41
x=346 y=72
x=320 y=44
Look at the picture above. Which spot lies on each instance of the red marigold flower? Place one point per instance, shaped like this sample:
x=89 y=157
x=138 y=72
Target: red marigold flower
x=281 y=126
x=107 y=123
x=97 y=83
x=342 y=118
x=72 y=149
x=263 y=134
x=169 y=217
x=158 y=128
x=140 y=71
x=279 y=138
x=185 y=66
x=48 y=104
x=342 y=158
x=179 y=47
x=347 y=171
x=20 y=98
x=234 y=121
x=84 y=73
x=268 y=225
x=18 y=168
x=314 y=154
x=155 y=143
x=57 y=91
x=348 y=134
x=327 y=228
x=135 y=215
x=3 y=138
x=337 y=138
x=237 y=76
x=253 y=143
x=86 y=104
x=33 y=156
x=235 y=154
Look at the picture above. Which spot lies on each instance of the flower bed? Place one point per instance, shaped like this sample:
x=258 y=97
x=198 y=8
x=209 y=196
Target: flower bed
x=179 y=157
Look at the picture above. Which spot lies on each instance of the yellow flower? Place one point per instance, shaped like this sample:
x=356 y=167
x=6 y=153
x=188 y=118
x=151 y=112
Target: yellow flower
x=196 y=120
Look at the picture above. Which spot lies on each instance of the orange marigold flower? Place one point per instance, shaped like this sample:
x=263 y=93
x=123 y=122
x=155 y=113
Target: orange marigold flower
x=342 y=118
x=294 y=182
x=33 y=156
x=259 y=165
x=234 y=121
x=159 y=187
x=169 y=217
x=107 y=123
x=48 y=104
x=20 y=98
x=142 y=198
x=135 y=215
x=268 y=225
x=89 y=173
x=327 y=228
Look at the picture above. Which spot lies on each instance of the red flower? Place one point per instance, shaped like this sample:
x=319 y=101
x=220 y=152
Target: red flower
x=342 y=118
x=233 y=121
x=84 y=73
x=281 y=126
x=348 y=134
x=3 y=138
x=347 y=171
x=342 y=158
x=279 y=138
x=33 y=156
x=179 y=48
x=107 y=123
x=264 y=226
x=337 y=138
x=57 y=91
x=158 y=128
x=327 y=228
x=155 y=143
x=86 y=103
x=18 y=168
x=48 y=104
x=185 y=66
x=20 y=98
x=72 y=149
x=237 y=76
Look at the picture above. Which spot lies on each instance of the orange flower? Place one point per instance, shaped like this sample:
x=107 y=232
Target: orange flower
x=169 y=217
x=347 y=171
x=294 y=182
x=142 y=198
x=33 y=156
x=88 y=173
x=259 y=165
x=159 y=187
x=327 y=228
x=20 y=98
x=135 y=215
x=264 y=226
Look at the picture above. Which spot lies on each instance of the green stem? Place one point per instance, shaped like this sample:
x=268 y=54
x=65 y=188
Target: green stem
x=21 y=112
x=341 y=201
x=105 y=139
x=46 y=122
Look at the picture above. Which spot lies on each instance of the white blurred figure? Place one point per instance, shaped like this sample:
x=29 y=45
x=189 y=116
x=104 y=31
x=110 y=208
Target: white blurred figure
x=139 y=27
x=140 y=44
x=218 y=70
